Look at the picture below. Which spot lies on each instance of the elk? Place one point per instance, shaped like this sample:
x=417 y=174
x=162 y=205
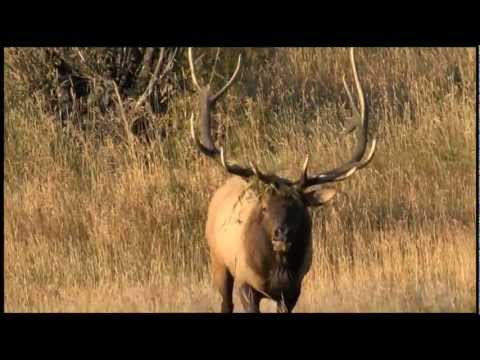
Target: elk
x=263 y=240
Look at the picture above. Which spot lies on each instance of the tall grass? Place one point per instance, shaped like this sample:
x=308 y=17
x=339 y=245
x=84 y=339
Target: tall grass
x=89 y=226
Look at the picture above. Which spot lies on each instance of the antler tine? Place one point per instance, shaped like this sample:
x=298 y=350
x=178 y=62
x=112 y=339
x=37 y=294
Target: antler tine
x=230 y=82
x=305 y=165
x=304 y=175
x=359 y=87
x=192 y=127
x=192 y=69
x=354 y=122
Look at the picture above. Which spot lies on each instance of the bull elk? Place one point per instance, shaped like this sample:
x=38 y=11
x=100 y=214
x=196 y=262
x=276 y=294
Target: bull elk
x=263 y=240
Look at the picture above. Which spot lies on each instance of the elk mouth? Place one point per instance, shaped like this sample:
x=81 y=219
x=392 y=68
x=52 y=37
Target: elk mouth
x=280 y=275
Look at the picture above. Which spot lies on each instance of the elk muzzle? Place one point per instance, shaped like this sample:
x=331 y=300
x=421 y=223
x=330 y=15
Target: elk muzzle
x=279 y=241
x=281 y=245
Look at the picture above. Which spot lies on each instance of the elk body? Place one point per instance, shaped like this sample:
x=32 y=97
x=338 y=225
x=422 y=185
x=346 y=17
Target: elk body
x=263 y=239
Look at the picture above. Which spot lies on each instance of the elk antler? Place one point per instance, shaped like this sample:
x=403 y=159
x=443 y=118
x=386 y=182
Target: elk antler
x=350 y=167
x=206 y=144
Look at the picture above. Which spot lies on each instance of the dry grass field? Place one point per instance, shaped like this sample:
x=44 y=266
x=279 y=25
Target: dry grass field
x=89 y=227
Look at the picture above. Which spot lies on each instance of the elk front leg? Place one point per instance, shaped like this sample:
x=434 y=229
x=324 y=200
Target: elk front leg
x=288 y=301
x=223 y=281
x=250 y=299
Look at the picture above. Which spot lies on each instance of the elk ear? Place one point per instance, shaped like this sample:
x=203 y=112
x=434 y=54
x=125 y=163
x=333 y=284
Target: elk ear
x=319 y=197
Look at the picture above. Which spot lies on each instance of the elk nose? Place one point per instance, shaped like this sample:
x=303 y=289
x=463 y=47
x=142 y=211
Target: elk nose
x=279 y=241
x=280 y=234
